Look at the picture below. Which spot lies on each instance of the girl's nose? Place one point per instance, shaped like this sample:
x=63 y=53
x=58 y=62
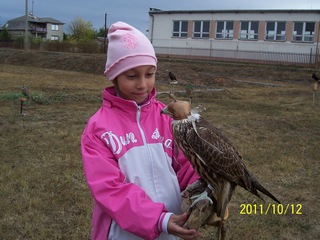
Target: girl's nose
x=142 y=83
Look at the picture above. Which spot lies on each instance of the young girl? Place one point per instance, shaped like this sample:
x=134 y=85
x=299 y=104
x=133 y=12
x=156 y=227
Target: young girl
x=130 y=162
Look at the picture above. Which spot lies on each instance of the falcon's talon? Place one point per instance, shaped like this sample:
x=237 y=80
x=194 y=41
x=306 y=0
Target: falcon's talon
x=199 y=197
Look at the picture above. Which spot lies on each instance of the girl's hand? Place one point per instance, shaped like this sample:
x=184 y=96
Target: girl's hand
x=175 y=227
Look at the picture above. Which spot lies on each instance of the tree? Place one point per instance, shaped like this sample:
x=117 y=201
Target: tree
x=5 y=35
x=81 y=31
x=102 y=32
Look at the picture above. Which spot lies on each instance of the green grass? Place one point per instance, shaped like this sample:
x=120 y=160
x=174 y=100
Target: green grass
x=43 y=191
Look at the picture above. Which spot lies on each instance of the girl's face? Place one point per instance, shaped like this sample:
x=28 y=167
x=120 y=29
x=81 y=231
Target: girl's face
x=136 y=84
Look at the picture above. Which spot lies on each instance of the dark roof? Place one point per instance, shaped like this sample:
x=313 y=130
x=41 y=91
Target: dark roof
x=14 y=25
x=32 y=18
x=159 y=11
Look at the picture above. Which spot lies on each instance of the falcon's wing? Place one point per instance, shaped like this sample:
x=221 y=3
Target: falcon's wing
x=213 y=148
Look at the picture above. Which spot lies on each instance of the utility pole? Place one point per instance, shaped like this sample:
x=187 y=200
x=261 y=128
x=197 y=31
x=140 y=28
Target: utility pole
x=26 y=44
x=105 y=32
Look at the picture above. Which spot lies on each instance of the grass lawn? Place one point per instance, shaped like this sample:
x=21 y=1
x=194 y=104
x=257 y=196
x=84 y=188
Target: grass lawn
x=274 y=126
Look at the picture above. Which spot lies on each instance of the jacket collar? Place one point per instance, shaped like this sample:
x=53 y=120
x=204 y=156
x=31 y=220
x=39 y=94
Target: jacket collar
x=111 y=99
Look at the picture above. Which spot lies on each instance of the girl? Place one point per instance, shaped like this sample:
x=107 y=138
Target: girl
x=131 y=166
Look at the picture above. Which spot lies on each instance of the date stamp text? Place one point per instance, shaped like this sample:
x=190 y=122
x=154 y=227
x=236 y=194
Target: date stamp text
x=275 y=209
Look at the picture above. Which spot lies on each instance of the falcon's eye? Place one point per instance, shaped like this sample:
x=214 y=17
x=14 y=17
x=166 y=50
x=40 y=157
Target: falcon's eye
x=171 y=109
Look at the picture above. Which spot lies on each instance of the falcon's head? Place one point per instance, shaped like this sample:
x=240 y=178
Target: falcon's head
x=178 y=110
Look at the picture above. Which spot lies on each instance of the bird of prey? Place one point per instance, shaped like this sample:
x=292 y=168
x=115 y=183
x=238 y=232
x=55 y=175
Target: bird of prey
x=315 y=77
x=212 y=156
x=173 y=78
x=25 y=91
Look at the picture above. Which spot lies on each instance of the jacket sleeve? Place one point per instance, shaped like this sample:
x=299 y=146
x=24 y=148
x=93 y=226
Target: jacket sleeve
x=184 y=170
x=126 y=203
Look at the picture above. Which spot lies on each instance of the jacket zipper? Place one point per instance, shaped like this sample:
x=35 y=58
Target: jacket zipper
x=145 y=142
x=139 y=126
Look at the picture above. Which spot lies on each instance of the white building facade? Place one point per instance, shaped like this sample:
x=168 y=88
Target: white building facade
x=239 y=34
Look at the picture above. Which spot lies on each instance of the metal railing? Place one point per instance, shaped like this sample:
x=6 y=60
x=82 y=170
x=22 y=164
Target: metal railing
x=39 y=30
x=285 y=58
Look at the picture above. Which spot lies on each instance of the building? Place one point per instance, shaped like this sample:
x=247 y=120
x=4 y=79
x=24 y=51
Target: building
x=266 y=35
x=43 y=28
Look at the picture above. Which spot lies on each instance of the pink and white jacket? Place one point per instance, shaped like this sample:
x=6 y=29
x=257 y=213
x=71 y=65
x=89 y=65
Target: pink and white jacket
x=133 y=171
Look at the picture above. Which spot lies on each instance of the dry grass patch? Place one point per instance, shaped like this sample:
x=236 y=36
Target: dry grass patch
x=44 y=194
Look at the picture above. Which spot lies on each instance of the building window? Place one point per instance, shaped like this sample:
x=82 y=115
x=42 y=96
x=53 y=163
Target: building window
x=180 y=29
x=275 y=31
x=55 y=27
x=201 y=29
x=303 y=31
x=249 y=30
x=224 y=30
x=54 y=38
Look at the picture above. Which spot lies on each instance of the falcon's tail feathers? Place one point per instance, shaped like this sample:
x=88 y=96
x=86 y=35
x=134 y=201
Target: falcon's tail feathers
x=258 y=186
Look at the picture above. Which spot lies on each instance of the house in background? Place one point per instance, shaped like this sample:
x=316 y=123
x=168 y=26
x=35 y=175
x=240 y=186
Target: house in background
x=239 y=34
x=44 y=28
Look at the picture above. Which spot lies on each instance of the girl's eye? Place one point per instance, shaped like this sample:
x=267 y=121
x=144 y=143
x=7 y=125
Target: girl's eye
x=131 y=76
x=150 y=74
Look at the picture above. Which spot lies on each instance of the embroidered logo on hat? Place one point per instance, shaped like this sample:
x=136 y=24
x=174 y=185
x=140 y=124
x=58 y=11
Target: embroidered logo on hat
x=129 y=41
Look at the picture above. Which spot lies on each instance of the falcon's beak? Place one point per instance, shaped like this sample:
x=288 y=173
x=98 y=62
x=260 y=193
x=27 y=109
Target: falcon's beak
x=166 y=111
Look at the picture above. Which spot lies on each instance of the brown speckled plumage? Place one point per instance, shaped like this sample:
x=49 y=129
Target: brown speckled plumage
x=212 y=155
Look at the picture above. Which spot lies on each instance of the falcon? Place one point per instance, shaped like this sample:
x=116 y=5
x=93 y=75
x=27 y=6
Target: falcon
x=212 y=156
x=315 y=77
x=173 y=78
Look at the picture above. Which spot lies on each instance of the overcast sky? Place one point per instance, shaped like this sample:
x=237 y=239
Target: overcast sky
x=134 y=12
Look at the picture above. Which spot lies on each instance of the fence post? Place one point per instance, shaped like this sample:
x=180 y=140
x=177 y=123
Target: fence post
x=314 y=92
x=310 y=58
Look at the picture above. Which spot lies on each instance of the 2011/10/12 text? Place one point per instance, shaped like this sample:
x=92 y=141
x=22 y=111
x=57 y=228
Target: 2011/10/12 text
x=276 y=209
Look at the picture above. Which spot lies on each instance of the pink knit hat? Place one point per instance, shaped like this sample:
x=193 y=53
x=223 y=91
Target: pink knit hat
x=127 y=48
